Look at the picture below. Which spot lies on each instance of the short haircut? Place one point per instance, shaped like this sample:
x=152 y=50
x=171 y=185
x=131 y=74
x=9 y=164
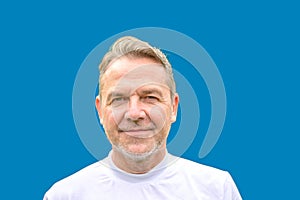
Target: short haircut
x=132 y=47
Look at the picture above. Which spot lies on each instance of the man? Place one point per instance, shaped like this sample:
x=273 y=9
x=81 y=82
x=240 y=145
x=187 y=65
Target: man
x=137 y=103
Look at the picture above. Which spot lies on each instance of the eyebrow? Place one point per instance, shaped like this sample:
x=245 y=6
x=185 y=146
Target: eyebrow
x=141 y=91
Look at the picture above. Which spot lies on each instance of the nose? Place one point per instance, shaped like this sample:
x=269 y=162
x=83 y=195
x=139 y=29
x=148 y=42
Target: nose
x=135 y=110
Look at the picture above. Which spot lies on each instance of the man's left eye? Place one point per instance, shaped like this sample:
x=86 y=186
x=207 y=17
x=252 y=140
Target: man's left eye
x=151 y=98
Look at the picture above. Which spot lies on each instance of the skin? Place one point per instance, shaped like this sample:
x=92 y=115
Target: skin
x=136 y=110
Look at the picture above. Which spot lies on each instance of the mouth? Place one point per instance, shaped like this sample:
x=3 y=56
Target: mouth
x=138 y=133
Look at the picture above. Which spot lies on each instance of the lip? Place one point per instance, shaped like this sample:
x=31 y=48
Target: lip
x=138 y=133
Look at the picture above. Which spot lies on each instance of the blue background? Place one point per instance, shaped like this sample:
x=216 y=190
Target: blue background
x=255 y=45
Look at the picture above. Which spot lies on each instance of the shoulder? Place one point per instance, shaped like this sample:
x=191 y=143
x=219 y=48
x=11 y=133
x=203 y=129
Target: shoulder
x=83 y=174
x=194 y=168
x=78 y=182
x=205 y=180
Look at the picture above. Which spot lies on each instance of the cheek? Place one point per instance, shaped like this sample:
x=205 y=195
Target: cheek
x=159 y=116
x=112 y=117
x=110 y=125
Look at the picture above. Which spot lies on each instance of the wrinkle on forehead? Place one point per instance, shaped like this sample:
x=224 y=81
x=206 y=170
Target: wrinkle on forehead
x=134 y=73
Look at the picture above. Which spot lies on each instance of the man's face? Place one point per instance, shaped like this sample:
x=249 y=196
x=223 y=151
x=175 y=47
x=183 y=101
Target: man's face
x=136 y=108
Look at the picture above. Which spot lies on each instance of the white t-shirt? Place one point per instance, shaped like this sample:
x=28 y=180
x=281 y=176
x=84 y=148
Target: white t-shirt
x=174 y=178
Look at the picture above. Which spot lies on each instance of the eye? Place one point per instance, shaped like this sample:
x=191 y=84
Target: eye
x=118 y=101
x=150 y=99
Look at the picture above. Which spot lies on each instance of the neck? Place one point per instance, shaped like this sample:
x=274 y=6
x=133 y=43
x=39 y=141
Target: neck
x=137 y=166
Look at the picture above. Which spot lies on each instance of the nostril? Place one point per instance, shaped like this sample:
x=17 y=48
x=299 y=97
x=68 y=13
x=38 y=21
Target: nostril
x=135 y=115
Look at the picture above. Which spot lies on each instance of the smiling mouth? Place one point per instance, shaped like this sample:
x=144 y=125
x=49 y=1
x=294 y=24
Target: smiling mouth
x=138 y=133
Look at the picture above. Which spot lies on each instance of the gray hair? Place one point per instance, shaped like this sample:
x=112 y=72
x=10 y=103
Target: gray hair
x=133 y=47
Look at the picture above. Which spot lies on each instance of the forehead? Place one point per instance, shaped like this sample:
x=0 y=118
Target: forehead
x=133 y=73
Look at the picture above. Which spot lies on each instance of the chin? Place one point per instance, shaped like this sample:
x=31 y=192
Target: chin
x=138 y=156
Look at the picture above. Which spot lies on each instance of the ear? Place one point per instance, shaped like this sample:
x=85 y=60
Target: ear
x=174 y=107
x=98 y=107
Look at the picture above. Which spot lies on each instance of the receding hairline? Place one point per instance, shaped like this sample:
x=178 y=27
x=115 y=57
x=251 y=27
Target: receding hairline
x=134 y=57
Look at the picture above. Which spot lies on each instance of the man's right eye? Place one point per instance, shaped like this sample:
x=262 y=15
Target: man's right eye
x=118 y=100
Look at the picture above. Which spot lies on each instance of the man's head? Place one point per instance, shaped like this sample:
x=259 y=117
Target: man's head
x=137 y=100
